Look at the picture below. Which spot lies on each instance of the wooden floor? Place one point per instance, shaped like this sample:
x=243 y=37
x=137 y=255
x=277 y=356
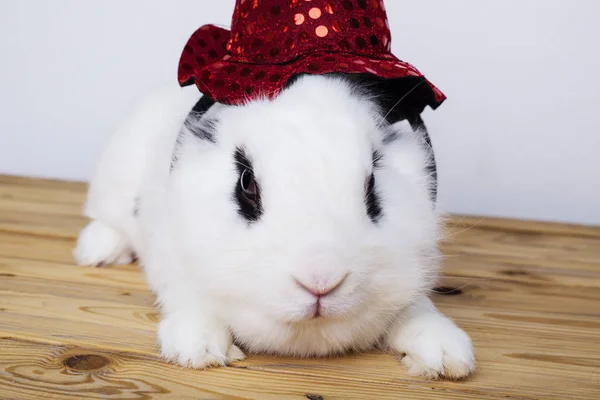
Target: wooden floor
x=527 y=293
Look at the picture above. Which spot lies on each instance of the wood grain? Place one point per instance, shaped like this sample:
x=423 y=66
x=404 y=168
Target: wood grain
x=527 y=292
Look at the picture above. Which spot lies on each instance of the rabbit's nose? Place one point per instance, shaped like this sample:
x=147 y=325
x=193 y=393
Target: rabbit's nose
x=319 y=288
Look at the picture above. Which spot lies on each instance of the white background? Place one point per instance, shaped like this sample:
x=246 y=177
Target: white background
x=519 y=135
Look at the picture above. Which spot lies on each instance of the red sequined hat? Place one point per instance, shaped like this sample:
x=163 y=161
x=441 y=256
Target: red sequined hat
x=272 y=40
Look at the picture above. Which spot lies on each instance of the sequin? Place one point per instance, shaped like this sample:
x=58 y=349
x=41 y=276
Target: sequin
x=298 y=19
x=337 y=26
x=257 y=43
x=360 y=42
x=375 y=3
x=329 y=8
x=251 y=28
x=314 y=13
x=304 y=37
x=321 y=31
x=344 y=44
x=379 y=22
x=274 y=52
x=205 y=75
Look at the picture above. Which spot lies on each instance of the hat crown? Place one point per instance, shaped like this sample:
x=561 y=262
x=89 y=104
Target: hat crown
x=277 y=31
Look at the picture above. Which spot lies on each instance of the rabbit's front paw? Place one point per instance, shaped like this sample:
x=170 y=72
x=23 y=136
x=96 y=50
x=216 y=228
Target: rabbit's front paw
x=193 y=343
x=433 y=346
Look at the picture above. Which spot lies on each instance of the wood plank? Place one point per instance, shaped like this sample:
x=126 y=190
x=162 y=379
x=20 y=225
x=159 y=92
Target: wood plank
x=541 y=359
x=513 y=225
x=130 y=329
x=35 y=370
x=527 y=292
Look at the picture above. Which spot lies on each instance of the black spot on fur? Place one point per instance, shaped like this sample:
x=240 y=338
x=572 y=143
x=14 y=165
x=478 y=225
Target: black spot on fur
x=371 y=198
x=203 y=129
x=194 y=124
x=376 y=159
x=250 y=208
x=418 y=125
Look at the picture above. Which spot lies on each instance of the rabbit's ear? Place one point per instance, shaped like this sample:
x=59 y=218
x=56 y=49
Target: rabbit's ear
x=400 y=100
x=202 y=105
x=193 y=125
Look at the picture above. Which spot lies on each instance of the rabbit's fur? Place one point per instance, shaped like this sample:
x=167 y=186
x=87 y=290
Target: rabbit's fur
x=343 y=204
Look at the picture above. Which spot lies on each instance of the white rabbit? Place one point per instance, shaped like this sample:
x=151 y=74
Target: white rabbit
x=303 y=225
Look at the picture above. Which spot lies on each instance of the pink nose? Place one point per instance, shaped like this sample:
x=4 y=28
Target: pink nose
x=319 y=290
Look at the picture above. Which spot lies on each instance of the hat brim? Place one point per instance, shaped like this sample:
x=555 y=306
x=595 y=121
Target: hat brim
x=219 y=76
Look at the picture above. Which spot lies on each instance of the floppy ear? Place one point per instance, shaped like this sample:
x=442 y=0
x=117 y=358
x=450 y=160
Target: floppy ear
x=402 y=99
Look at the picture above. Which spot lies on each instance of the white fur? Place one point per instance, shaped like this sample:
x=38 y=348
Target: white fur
x=216 y=276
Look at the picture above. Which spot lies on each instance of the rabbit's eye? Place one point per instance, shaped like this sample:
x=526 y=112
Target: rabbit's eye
x=248 y=185
x=247 y=189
